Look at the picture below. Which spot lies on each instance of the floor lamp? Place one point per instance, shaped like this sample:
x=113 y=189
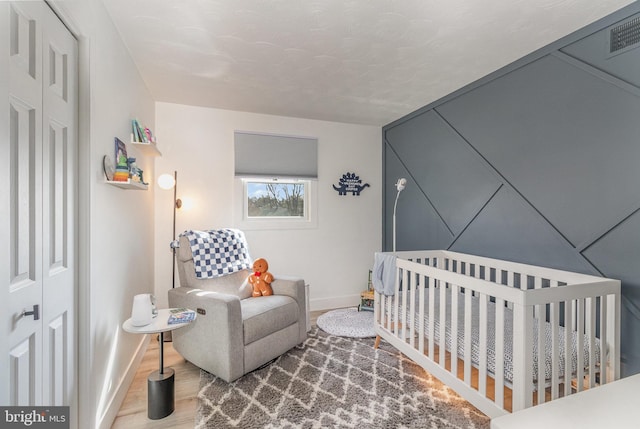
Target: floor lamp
x=167 y=181
x=400 y=184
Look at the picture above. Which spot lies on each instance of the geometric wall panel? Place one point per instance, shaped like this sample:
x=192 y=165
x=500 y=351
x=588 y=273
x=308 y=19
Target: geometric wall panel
x=617 y=255
x=418 y=224
x=559 y=136
x=508 y=228
x=444 y=166
x=566 y=139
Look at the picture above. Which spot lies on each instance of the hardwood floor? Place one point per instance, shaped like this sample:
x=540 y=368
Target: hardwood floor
x=133 y=413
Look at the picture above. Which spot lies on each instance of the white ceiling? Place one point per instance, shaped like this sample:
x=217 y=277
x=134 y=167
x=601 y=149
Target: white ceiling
x=356 y=61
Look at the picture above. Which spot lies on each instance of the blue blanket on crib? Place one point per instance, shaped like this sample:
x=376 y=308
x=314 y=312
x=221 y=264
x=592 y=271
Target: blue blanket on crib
x=384 y=273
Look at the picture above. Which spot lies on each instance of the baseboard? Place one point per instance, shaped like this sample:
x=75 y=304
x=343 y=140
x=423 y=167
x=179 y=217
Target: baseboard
x=334 y=302
x=111 y=410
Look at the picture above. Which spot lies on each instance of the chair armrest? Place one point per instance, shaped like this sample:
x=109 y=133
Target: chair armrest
x=294 y=287
x=214 y=341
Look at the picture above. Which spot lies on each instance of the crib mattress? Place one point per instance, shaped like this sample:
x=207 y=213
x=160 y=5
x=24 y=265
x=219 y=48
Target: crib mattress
x=508 y=336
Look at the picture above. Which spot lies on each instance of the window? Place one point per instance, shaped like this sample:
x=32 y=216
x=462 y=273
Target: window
x=279 y=191
x=276 y=199
x=277 y=203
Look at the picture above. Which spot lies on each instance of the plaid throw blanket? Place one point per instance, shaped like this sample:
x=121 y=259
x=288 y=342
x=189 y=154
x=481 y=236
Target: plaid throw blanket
x=218 y=252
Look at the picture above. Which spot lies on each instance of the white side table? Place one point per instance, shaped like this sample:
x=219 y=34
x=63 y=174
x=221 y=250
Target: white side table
x=160 y=384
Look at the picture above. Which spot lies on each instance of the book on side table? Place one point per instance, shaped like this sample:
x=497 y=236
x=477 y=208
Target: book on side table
x=181 y=315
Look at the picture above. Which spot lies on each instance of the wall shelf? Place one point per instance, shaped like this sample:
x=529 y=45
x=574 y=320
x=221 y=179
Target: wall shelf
x=128 y=185
x=148 y=149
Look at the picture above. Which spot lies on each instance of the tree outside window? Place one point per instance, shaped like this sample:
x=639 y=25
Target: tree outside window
x=276 y=199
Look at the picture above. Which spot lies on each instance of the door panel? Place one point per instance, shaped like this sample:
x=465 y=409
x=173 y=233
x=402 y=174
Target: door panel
x=58 y=361
x=59 y=112
x=23 y=371
x=23 y=287
x=38 y=122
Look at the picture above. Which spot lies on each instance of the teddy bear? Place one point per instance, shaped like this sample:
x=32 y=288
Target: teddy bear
x=261 y=279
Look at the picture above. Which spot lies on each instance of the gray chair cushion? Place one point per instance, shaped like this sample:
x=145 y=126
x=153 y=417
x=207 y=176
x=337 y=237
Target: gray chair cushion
x=267 y=314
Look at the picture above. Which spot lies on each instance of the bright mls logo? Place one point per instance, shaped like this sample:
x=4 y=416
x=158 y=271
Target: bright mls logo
x=34 y=417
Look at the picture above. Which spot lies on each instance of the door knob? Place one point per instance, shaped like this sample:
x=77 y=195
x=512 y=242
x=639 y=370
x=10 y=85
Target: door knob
x=35 y=312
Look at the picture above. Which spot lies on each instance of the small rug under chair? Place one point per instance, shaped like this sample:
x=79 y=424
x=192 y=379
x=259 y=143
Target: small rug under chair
x=348 y=322
x=334 y=382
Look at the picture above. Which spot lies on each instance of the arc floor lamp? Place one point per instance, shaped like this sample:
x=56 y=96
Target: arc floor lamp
x=167 y=181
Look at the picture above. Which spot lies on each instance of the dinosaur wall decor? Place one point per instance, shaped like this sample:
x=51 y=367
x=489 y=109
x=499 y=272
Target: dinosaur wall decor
x=350 y=182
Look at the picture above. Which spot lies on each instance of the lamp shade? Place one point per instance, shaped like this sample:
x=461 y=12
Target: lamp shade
x=166 y=181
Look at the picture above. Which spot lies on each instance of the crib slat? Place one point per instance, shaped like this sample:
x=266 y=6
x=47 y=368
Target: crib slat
x=522 y=351
x=540 y=313
x=568 y=348
x=421 y=317
x=579 y=345
x=468 y=318
x=412 y=310
x=499 y=360
x=510 y=283
x=455 y=290
x=443 y=325
x=396 y=306
x=542 y=377
x=613 y=335
x=591 y=335
x=431 y=317
x=388 y=301
x=482 y=382
x=555 y=349
x=405 y=291
x=603 y=341
x=537 y=284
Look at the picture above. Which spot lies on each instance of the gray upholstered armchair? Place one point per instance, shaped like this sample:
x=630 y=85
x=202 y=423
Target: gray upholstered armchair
x=234 y=333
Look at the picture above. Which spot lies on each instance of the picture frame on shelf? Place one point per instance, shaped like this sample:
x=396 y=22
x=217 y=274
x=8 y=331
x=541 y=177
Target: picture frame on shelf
x=121 y=173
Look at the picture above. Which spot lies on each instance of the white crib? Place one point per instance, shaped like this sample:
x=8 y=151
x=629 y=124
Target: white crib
x=487 y=314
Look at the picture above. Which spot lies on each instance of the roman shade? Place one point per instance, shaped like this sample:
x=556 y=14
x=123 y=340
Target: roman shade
x=268 y=155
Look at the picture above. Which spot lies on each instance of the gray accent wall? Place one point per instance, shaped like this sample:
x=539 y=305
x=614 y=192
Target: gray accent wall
x=538 y=163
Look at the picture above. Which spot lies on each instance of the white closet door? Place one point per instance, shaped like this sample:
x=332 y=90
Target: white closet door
x=59 y=155
x=37 y=187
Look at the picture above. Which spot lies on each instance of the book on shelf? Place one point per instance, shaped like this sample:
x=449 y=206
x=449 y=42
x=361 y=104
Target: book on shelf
x=135 y=131
x=181 y=315
x=140 y=134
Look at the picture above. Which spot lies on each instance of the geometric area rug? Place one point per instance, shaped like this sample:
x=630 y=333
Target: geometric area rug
x=334 y=382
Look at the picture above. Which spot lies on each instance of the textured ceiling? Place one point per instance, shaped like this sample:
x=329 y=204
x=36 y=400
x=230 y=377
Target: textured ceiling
x=364 y=61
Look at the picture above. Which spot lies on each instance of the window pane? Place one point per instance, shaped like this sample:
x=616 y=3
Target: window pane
x=267 y=199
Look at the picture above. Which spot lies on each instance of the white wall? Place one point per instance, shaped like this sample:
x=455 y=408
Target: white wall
x=333 y=258
x=116 y=226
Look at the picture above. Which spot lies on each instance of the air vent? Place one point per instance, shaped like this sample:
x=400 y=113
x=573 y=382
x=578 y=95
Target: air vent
x=624 y=36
